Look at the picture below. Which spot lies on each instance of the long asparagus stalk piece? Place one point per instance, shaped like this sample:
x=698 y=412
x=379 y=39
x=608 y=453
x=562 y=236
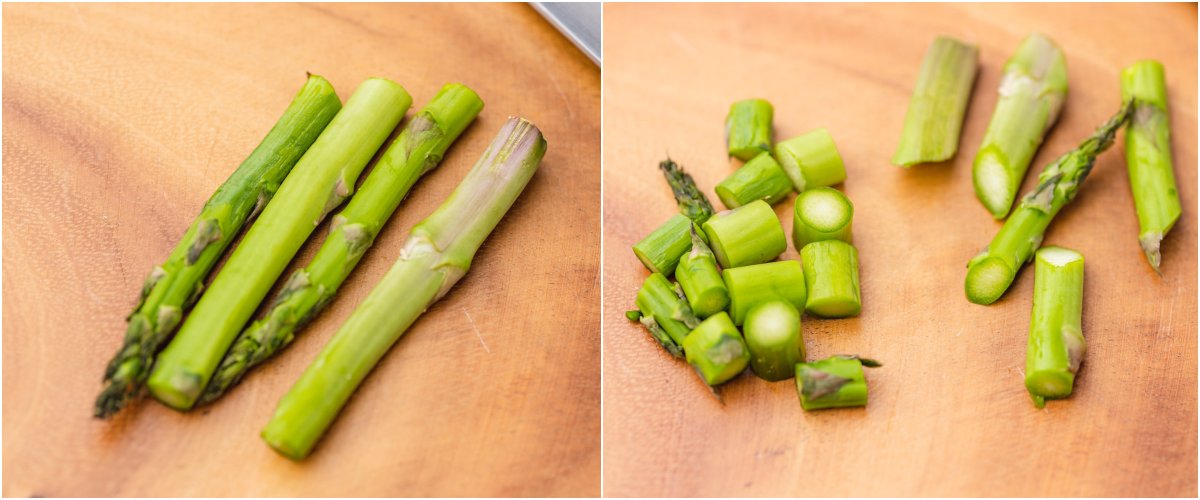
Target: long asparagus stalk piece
x=1148 y=156
x=1056 y=344
x=174 y=285
x=990 y=273
x=416 y=151
x=939 y=103
x=322 y=179
x=437 y=254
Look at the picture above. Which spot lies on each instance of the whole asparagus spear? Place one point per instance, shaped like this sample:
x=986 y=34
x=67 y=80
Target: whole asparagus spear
x=437 y=254
x=322 y=179
x=415 y=152
x=990 y=273
x=173 y=286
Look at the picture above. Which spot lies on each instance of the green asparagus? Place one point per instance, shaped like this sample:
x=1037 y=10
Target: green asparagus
x=750 y=286
x=759 y=179
x=716 y=350
x=939 y=103
x=701 y=280
x=772 y=332
x=831 y=278
x=665 y=313
x=660 y=251
x=811 y=160
x=748 y=128
x=1056 y=343
x=1148 y=156
x=749 y=234
x=835 y=382
x=821 y=214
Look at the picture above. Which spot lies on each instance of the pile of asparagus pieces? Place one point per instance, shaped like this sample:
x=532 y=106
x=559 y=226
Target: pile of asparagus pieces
x=736 y=306
x=306 y=167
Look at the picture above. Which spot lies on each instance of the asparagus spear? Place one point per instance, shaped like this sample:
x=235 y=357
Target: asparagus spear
x=701 y=280
x=811 y=160
x=417 y=150
x=716 y=350
x=665 y=313
x=759 y=179
x=773 y=335
x=835 y=382
x=1032 y=92
x=749 y=234
x=437 y=254
x=991 y=272
x=821 y=214
x=1056 y=343
x=939 y=103
x=750 y=286
x=322 y=179
x=1148 y=156
x=661 y=250
x=748 y=128
x=174 y=285
x=831 y=277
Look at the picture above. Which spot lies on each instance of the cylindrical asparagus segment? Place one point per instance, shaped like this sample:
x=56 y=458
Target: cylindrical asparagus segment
x=322 y=179
x=437 y=254
x=1148 y=155
x=416 y=151
x=939 y=103
x=772 y=333
x=690 y=198
x=173 y=286
x=1056 y=343
x=750 y=286
x=665 y=313
x=821 y=214
x=1032 y=92
x=811 y=160
x=835 y=382
x=716 y=350
x=661 y=250
x=759 y=179
x=701 y=280
x=749 y=234
x=748 y=128
x=831 y=277
x=990 y=273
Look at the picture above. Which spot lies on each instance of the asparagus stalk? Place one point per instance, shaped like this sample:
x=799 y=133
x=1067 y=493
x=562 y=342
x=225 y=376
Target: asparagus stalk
x=821 y=214
x=835 y=382
x=1056 y=343
x=1032 y=92
x=173 y=286
x=939 y=103
x=1148 y=156
x=437 y=254
x=417 y=150
x=751 y=286
x=661 y=250
x=701 y=280
x=322 y=179
x=748 y=128
x=759 y=179
x=990 y=273
x=665 y=313
x=831 y=277
x=716 y=350
x=773 y=335
x=749 y=234
x=811 y=160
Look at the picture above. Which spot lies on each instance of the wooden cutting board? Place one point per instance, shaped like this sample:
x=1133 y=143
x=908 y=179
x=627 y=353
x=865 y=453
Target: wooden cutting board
x=949 y=415
x=121 y=120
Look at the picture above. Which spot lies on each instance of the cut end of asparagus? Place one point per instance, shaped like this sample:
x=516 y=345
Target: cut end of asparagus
x=1050 y=384
x=647 y=261
x=178 y=390
x=826 y=210
x=992 y=184
x=1059 y=256
x=1151 y=241
x=281 y=446
x=987 y=280
x=834 y=307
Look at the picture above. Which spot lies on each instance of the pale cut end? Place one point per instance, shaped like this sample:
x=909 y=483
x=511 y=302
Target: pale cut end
x=992 y=185
x=1151 y=243
x=825 y=210
x=1058 y=256
x=987 y=280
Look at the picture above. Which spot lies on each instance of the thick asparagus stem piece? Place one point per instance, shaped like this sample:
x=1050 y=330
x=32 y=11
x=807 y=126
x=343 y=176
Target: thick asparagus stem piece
x=665 y=313
x=1032 y=92
x=437 y=254
x=660 y=250
x=939 y=103
x=1056 y=343
x=417 y=150
x=835 y=382
x=811 y=160
x=701 y=280
x=749 y=234
x=716 y=350
x=831 y=278
x=322 y=179
x=821 y=214
x=759 y=179
x=174 y=285
x=772 y=333
x=748 y=128
x=750 y=286
x=1148 y=156
x=990 y=273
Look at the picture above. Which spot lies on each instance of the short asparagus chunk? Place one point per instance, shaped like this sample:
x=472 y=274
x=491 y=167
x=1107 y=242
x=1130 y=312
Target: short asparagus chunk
x=773 y=336
x=821 y=214
x=749 y=234
x=939 y=103
x=990 y=273
x=1148 y=156
x=750 y=286
x=701 y=280
x=748 y=128
x=1032 y=93
x=759 y=179
x=1056 y=343
x=716 y=350
x=835 y=382
x=438 y=253
x=811 y=160
x=831 y=276
x=665 y=313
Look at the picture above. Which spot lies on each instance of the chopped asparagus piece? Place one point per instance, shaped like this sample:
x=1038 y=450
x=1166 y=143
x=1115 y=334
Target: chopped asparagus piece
x=835 y=382
x=772 y=332
x=831 y=277
x=1056 y=343
x=701 y=280
x=1148 y=156
x=665 y=313
x=759 y=179
x=660 y=250
x=821 y=214
x=750 y=286
x=748 y=128
x=716 y=350
x=749 y=234
x=811 y=160
x=692 y=201
x=939 y=103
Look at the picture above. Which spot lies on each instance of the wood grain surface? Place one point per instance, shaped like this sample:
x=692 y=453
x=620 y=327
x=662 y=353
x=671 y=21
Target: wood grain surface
x=949 y=414
x=121 y=120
